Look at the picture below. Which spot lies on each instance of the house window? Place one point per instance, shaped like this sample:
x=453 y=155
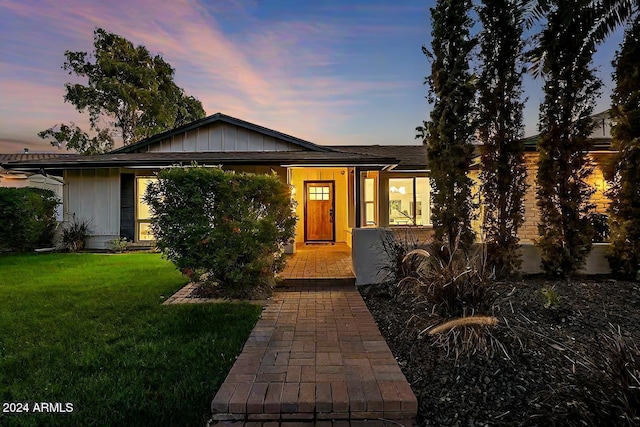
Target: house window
x=319 y=193
x=370 y=211
x=409 y=201
x=143 y=212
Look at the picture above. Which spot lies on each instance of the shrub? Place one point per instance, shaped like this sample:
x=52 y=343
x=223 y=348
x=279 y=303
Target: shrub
x=456 y=283
x=119 y=244
x=75 y=234
x=233 y=227
x=27 y=218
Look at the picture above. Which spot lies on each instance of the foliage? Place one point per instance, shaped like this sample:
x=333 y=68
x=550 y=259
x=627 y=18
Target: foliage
x=119 y=244
x=571 y=88
x=624 y=210
x=126 y=85
x=455 y=282
x=75 y=138
x=551 y=297
x=232 y=226
x=75 y=234
x=395 y=244
x=467 y=336
x=27 y=218
x=501 y=131
x=600 y=226
x=450 y=129
x=604 y=16
x=621 y=363
x=95 y=328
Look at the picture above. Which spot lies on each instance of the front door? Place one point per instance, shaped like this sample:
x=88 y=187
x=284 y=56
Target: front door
x=319 y=211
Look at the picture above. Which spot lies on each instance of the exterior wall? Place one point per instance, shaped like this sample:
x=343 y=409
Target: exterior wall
x=221 y=137
x=596 y=262
x=529 y=230
x=368 y=257
x=340 y=175
x=94 y=195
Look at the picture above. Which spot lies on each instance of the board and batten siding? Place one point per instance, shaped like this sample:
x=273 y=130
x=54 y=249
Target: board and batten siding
x=221 y=137
x=94 y=195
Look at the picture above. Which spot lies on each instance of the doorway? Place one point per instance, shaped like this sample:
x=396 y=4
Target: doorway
x=319 y=211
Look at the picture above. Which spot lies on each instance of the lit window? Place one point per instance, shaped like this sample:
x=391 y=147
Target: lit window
x=409 y=201
x=143 y=212
x=370 y=201
x=318 y=193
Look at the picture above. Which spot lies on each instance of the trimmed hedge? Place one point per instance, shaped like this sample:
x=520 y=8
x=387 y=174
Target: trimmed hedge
x=27 y=218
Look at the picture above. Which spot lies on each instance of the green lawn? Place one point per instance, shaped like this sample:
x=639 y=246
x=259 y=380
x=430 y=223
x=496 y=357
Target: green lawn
x=90 y=330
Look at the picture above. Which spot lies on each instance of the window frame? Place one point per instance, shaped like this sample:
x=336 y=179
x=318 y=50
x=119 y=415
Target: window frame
x=426 y=217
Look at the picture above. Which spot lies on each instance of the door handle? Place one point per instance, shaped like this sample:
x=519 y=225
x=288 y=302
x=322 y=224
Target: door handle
x=330 y=215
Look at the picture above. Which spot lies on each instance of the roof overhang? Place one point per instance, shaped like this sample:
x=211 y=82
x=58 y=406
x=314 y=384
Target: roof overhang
x=161 y=160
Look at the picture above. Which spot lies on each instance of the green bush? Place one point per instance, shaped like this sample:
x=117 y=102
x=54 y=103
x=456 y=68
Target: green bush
x=27 y=218
x=233 y=227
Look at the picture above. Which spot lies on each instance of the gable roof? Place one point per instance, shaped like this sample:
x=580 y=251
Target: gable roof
x=219 y=118
x=596 y=142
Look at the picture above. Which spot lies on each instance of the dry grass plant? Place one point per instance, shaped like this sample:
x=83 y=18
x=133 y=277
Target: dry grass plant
x=461 y=294
x=621 y=360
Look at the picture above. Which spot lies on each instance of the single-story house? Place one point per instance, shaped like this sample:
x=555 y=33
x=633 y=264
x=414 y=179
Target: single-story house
x=343 y=193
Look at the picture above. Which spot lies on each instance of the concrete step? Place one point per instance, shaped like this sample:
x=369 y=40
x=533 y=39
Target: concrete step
x=317 y=282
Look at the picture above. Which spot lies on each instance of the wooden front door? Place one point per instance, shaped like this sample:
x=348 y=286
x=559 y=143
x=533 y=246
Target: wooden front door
x=319 y=211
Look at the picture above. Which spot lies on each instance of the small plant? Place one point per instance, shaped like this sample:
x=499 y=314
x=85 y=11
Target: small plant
x=552 y=298
x=75 y=234
x=395 y=247
x=466 y=336
x=119 y=244
x=621 y=360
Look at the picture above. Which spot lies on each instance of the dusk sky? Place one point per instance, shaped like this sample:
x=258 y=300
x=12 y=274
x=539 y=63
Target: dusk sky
x=332 y=72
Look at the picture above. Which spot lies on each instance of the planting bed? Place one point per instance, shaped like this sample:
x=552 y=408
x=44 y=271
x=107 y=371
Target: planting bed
x=554 y=365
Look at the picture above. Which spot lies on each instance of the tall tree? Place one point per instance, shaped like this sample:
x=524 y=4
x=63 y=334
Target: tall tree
x=501 y=129
x=450 y=130
x=624 y=193
x=128 y=87
x=571 y=89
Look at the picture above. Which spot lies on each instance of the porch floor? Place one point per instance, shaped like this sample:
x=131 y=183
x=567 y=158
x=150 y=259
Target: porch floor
x=315 y=264
x=315 y=355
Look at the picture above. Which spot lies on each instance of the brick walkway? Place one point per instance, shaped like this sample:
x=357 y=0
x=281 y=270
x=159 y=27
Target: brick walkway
x=316 y=264
x=315 y=355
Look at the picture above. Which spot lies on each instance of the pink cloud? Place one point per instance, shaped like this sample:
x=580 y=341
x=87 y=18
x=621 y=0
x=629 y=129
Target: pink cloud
x=277 y=75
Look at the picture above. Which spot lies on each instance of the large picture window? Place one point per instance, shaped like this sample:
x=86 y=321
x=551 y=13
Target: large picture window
x=409 y=201
x=143 y=213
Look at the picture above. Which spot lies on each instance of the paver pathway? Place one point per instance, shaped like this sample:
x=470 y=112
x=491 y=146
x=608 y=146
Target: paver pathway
x=315 y=354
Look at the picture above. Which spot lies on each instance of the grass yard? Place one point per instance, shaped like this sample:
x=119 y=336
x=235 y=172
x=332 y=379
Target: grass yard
x=89 y=330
